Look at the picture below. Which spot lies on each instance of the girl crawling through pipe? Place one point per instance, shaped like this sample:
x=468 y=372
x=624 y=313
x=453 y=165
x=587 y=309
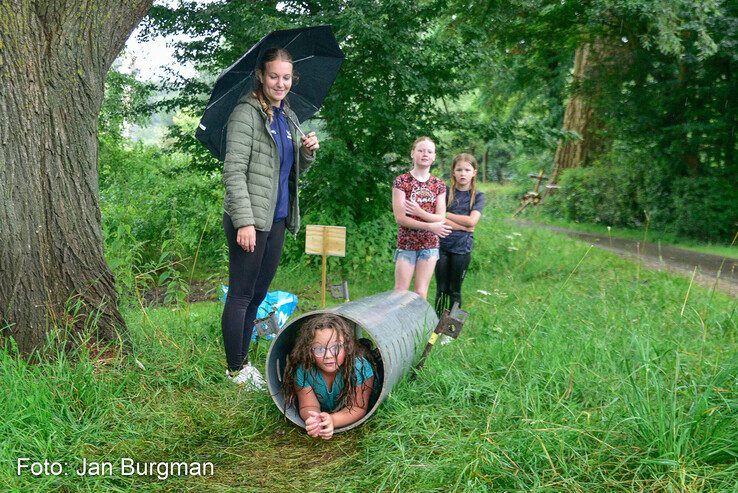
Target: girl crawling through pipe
x=327 y=376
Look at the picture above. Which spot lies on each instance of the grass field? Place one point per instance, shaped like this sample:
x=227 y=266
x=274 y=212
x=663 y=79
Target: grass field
x=576 y=371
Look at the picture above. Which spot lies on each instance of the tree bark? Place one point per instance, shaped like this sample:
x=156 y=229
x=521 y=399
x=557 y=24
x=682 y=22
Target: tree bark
x=54 y=55
x=579 y=115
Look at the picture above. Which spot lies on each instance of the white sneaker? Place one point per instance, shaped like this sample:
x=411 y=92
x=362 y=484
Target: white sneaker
x=248 y=376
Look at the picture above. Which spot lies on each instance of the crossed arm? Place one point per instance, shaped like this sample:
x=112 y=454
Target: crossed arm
x=403 y=209
x=463 y=222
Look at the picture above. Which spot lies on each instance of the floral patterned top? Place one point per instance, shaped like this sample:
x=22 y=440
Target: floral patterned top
x=426 y=195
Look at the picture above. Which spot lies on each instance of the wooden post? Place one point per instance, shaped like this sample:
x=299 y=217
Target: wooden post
x=325 y=266
x=325 y=241
x=539 y=178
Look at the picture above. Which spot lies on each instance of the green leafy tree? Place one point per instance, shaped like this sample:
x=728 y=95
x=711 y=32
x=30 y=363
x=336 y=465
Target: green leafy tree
x=534 y=43
x=402 y=59
x=654 y=90
x=126 y=102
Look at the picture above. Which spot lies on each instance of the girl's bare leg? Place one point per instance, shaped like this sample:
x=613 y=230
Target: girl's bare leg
x=423 y=274
x=403 y=274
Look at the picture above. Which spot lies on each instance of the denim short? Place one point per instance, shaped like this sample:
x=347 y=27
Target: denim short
x=412 y=256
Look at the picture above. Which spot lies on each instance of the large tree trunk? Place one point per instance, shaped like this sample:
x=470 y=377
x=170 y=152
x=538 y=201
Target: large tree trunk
x=579 y=115
x=54 y=56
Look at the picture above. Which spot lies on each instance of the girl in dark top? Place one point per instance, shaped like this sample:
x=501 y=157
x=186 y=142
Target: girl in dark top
x=463 y=210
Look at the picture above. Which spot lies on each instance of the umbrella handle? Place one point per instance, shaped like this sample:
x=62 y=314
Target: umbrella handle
x=295 y=124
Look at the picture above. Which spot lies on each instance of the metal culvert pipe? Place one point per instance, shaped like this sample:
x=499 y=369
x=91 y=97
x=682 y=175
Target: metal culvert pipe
x=397 y=322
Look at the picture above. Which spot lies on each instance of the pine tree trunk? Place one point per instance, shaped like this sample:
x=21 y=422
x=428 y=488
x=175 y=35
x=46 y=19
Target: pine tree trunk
x=579 y=116
x=54 y=56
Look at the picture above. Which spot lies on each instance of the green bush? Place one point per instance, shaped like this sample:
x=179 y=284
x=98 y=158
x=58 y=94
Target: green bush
x=597 y=195
x=157 y=215
x=369 y=245
x=348 y=185
x=630 y=193
x=156 y=207
x=705 y=207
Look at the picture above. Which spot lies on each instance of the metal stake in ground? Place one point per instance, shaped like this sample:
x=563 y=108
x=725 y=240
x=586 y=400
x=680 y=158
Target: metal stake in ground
x=340 y=291
x=450 y=325
x=266 y=326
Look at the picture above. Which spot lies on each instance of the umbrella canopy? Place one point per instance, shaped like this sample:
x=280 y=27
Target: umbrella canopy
x=316 y=58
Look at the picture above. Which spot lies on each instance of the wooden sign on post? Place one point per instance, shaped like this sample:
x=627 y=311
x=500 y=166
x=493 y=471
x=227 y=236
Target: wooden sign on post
x=325 y=241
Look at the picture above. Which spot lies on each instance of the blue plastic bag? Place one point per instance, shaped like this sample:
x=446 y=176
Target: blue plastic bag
x=283 y=302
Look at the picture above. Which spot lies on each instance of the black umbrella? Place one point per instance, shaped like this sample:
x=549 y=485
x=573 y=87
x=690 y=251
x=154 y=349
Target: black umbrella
x=316 y=59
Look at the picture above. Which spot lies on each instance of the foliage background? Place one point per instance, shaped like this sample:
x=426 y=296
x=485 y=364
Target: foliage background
x=577 y=370
x=488 y=78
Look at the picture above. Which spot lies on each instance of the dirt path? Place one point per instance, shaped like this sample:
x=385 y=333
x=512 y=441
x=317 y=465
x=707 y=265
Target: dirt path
x=662 y=257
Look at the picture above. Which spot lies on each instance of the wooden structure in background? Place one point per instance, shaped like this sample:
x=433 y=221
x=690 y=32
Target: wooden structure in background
x=325 y=241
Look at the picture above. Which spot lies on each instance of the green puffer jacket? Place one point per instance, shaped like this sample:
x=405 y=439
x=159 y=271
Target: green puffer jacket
x=251 y=168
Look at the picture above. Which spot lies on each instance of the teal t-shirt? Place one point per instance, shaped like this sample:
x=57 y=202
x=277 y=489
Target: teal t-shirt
x=314 y=379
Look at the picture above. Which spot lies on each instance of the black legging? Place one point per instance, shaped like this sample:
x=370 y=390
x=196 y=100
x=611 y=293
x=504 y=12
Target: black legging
x=450 y=272
x=250 y=274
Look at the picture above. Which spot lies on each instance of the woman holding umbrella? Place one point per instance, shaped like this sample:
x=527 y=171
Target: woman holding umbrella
x=264 y=156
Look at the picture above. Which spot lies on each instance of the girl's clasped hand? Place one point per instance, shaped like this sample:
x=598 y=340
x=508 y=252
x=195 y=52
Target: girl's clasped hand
x=319 y=425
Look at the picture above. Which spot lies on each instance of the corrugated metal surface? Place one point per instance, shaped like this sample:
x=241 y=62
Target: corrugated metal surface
x=399 y=323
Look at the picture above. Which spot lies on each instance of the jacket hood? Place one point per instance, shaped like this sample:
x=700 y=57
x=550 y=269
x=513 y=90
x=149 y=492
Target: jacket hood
x=251 y=100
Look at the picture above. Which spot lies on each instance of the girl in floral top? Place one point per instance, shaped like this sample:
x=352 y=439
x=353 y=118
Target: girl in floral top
x=419 y=205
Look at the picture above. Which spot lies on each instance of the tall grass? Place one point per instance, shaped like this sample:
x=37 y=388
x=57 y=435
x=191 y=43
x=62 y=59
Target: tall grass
x=572 y=373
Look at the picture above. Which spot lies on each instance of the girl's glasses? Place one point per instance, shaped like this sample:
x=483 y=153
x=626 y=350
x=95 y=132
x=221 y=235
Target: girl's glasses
x=320 y=351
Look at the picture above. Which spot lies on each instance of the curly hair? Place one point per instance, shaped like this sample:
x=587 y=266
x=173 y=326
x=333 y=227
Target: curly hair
x=269 y=55
x=463 y=158
x=302 y=356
